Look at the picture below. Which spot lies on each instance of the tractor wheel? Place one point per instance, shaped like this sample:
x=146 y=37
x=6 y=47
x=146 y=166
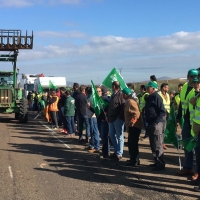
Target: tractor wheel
x=23 y=113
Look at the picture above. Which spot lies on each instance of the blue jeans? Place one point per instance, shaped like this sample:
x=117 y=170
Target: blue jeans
x=116 y=133
x=81 y=121
x=95 y=141
x=188 y=155
x=70 y=124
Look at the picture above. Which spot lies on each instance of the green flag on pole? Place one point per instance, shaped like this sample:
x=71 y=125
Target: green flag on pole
x=51 y=85
x=98 y=103
x=190 y=143
x=170 y=136
x=114 y=75
x=40 y=89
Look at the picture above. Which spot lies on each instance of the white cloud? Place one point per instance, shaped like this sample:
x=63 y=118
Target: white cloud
x=68 y=34
x=162 y=46
x=170 y=55
x=15 y=3
x=26 y=3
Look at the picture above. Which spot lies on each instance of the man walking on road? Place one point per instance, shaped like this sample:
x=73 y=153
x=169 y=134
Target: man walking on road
x=155 y=113
x=116 y=121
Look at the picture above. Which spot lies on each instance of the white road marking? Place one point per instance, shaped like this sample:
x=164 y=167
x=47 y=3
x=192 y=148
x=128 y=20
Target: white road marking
x=53 y=133
x=10 y=171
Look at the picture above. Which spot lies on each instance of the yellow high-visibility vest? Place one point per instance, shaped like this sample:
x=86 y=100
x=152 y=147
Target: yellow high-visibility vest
x=184 y=101
x=196 y=117
x=165 y=102
x=143 y=101
x=190 y=95
x=177 y=100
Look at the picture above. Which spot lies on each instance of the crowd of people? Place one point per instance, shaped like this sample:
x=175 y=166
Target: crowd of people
x=125 y=110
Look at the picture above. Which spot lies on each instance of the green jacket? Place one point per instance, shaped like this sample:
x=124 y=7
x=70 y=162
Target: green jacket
x=69 y=109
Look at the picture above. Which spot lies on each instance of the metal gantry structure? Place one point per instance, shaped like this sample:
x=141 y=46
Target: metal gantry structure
x=11 y=41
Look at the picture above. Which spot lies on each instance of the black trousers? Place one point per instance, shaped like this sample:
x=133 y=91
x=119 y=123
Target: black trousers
x=133 y=139
x=63 y=119
x=54 y=119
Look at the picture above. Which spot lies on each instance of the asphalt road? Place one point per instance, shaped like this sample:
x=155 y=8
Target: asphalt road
x=39 y=164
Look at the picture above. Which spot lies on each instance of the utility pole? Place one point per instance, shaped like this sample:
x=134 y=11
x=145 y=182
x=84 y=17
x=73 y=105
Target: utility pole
x=120 y=70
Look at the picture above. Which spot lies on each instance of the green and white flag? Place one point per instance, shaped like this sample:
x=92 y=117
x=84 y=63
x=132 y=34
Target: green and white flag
x=190 y=143
x=170 y=136
x=51 y=85
x=114 y=75
x=98 y=103
x=40 y=89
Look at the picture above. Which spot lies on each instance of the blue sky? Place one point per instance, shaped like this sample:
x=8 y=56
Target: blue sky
x=85 y=39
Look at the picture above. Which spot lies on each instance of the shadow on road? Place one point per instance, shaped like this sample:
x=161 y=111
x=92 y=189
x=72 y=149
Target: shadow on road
x=76 y=163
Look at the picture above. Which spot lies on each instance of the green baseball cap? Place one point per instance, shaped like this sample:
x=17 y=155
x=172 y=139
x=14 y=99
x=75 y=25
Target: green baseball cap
x=152 y=84
x=127 y=91
x=195 y=80
x=193 y=72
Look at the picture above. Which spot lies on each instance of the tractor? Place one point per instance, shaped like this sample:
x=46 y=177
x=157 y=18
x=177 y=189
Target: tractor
x=11 y=99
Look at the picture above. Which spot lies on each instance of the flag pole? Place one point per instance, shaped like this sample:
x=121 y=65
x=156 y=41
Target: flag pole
x=179 y=153
x=39 y=114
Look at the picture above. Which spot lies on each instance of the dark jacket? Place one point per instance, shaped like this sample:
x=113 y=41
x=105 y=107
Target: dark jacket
x=69 y=107
x=75 y=94
x=103 y=115
x=154 y=109
x=116 y=107
x=61 y=101
x=81 y=104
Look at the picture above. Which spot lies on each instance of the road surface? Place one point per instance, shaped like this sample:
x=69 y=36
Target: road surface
x=40 y=164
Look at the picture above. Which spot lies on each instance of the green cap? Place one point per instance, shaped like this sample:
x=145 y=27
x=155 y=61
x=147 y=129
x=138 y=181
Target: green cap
x=193 y=72
x=152 y=84
x=195 y=80
x=127 y=91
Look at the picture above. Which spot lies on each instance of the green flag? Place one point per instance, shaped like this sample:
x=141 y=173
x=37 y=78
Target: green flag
x=40 y=89
x=190 y=143
x=170 y=136
x=114 y=75
x=181 y=122
x=42 y=104
x=51 y=85
x=98 y=103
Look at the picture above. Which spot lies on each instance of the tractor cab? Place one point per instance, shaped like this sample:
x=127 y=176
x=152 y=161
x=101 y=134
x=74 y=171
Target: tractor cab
x=6 y=79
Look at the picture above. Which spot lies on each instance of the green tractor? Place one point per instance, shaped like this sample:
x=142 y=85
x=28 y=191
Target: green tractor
x=11 y=100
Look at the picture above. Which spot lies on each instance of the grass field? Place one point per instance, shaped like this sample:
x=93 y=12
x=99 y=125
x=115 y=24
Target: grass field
x=173 y=84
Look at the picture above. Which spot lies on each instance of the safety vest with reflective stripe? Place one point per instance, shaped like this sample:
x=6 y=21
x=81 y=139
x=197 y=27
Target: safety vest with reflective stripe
x=190 y=95
x=54 y=106
x=177 y=100
x=196 y=117
x=184 y=102
x=143 y=101
x=165 y=102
